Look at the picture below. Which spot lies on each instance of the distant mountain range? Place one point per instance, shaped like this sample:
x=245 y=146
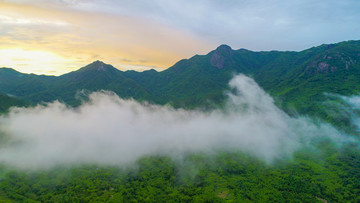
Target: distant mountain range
x=297 y=80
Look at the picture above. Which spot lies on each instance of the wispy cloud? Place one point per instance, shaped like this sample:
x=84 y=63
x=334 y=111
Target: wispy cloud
x=12 y=20
x=110 y=130
x=86 y=34
x=256 y=24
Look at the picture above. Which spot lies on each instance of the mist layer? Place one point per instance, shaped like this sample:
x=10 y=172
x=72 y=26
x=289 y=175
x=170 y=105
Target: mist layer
x=110 y=130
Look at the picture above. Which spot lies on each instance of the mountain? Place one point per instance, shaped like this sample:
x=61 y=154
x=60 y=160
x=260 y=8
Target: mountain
x=298 y=80
x=24 y=86
x=6 y=102
x=304 y=82
x=93 y=77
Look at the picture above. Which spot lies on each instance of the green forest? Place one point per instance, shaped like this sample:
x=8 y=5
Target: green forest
x=325 y=174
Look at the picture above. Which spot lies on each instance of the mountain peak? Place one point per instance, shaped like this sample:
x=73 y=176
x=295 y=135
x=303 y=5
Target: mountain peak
x=10 y=72
x=220 y=56
x=98 y=66
x=96 y=69
x=97 y=62
x=224 y=48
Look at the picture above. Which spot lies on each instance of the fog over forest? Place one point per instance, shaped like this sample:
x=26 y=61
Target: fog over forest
x=113 y=131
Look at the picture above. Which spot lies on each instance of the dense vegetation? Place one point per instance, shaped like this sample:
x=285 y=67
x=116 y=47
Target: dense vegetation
x=331 y=175
x=298 y=81
x=280 y=73
x=6 y=102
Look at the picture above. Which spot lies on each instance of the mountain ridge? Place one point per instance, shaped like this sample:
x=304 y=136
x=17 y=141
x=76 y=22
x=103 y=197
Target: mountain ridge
x=220 y=48
x=297 y=80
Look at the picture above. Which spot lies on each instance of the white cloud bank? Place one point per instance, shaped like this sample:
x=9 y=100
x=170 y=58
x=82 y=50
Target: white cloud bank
x=110 y=130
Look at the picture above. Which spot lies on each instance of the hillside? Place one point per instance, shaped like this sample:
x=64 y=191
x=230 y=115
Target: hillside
x=291 y=77
x=6 y=102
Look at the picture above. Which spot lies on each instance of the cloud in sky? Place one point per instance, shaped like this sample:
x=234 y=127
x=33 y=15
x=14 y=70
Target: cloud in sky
x=110 y=130
x=78 y=36
x=161 y=32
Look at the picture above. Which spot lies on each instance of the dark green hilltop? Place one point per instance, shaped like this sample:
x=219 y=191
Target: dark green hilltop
x=6 y=102
x=297 y=80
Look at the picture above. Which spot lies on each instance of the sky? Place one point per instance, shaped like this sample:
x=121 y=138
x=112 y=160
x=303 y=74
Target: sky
x=58 y=36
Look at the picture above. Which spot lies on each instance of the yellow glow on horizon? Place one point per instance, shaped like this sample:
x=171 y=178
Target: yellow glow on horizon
x=24 y=59
x=56 y=39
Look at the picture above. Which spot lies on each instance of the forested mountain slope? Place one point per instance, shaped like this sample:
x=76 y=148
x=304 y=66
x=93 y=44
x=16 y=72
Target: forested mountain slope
x=297 y=80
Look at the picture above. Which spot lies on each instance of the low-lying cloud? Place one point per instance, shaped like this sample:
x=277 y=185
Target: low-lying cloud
x=351 y=108
x=110 y=130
